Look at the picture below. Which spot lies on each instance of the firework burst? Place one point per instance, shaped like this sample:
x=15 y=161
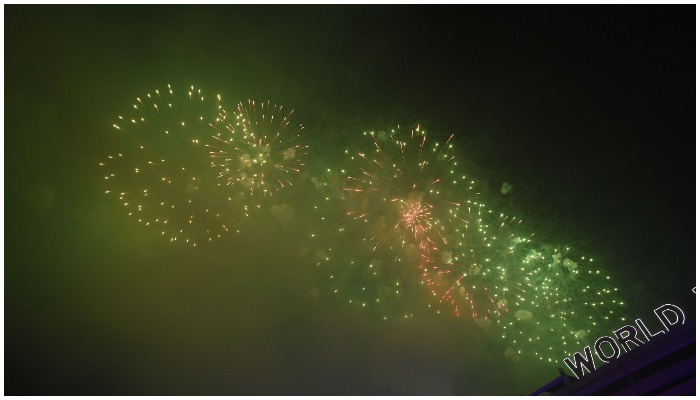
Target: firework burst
x=570 y=302
x=160 y=173
x=475 y=269
x=401 y=187
x=256 y=149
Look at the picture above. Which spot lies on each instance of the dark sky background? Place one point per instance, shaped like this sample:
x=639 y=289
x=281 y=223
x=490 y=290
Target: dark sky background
x=587 y=110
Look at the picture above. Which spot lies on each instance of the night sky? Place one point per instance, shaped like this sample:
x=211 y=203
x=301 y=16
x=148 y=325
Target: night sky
x=588 y=111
